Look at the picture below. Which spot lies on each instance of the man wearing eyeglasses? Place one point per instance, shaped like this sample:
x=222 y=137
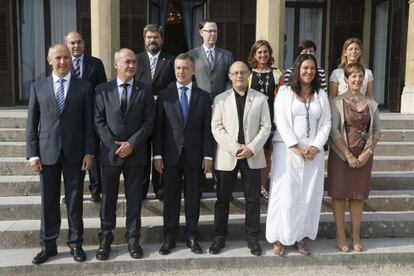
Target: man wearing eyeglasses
x=240 y=125
x=211 y=63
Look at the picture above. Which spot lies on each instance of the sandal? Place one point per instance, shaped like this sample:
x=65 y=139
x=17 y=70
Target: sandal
x=278 y=249
x=300 y=246
x=264 y=193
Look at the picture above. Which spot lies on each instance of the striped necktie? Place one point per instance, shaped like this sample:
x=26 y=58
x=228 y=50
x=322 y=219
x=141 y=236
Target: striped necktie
x=153 y=65
x=60 y=95
x=210 y=58
x=76 y=68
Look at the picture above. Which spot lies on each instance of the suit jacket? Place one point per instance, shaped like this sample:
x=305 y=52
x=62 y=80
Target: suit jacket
x=50 y=132
x=134 y=127
x=225 y=128
x=214 y=80
x=93 y=70
x=172 y=133
x=163 y=75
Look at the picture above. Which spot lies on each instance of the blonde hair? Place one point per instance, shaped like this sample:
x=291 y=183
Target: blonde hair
x=348 y=42
x=349 y=69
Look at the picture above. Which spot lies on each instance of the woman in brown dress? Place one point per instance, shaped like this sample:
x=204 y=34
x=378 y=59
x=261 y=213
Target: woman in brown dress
x=354 y=134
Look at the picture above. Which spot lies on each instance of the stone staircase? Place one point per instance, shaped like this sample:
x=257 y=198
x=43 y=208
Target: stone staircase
x=388 y=227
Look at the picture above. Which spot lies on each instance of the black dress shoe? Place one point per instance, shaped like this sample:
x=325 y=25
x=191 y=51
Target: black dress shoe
x=78 y=254
x=102 y=253
x=195 y=246
x=43 y=256
x=216 y=247
x=166 y=247
x=95 y=197
x=254 y=247
x=135 y=250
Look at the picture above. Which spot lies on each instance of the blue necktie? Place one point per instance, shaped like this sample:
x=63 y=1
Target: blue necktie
x=76 y=68
x=60 y=95
x=184 y=103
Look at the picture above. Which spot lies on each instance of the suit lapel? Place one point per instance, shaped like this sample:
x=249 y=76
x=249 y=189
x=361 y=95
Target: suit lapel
x=204 y=59
x=113 y=98
x=85 y=68
x=70 y=93
x=147 y=69
x=132 y=98
x=218 y=55
x=51 y=93
x=160 y=64
x=248 y=105
x=193 y=102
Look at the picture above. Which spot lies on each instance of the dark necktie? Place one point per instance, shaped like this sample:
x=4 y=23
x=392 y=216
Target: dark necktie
x=124 y=98
x=60 y=95
x=184 y=103
x=76 y=68
x=210 y=58
x=153 y=65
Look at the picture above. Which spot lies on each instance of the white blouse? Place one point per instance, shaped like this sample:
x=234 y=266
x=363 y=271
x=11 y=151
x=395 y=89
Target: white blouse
x=338 y=77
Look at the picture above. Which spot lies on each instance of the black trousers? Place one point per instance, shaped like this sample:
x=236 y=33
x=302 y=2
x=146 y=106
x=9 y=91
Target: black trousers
x=50 y=182
x=95 y=183
x=250 y=179
x=172 y=185
x=150 y=174
x=133 y=192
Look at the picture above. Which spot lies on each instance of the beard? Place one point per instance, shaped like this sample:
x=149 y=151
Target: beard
x=153 y=48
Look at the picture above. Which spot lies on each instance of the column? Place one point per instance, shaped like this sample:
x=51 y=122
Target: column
x=270 y=25
x=105 y=32
x=407 y=97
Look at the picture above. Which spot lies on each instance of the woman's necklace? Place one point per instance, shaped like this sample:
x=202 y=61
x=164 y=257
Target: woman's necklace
x=307 y=106
x=264 y=85
x=354 y=99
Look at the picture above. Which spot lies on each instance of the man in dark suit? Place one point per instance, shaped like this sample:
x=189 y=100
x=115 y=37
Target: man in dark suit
x=182 y=147
x=155 y=68
x=124 y=118
x=211 y=63
x=60 y=139
x=90 y=69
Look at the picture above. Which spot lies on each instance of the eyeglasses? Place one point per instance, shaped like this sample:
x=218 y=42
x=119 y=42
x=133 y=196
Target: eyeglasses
x=210 y=31
x=236 y=73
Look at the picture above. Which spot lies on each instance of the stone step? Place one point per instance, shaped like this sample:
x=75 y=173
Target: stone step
x=397 y=135
x=12 y=134
x=25 y=233
x=377 y=253
x=12 y=149
x=389 y=148
x=28 y=207
x=29 y=185
x=396 y=120
x=390 y=135
x=20 y=166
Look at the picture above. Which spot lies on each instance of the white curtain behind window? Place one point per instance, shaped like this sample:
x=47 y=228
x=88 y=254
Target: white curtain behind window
x=32 y=41
x=63 y=19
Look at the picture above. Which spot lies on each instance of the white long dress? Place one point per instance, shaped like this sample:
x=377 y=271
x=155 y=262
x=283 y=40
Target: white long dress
x=296 y=187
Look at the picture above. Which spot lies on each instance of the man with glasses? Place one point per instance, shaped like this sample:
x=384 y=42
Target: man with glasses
x=211 y=63
x=240 y=125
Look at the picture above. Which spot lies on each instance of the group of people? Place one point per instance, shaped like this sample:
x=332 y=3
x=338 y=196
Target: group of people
x=182 y=117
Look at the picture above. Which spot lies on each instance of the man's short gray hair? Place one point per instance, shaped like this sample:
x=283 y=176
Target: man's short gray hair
x=185 y=56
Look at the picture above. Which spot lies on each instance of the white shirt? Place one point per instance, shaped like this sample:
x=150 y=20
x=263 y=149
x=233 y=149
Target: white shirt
x=150 y=56
x=121 y=89
x=80 y=64
x=213 y=52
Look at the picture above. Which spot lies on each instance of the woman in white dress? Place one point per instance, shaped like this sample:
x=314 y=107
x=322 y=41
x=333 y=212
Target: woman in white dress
x=351 y=53
x=303 y=123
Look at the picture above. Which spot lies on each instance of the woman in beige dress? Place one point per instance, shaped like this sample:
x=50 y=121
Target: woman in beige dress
x=354 y=135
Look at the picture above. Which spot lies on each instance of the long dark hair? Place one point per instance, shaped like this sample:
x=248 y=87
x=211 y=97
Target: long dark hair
x=294 y=79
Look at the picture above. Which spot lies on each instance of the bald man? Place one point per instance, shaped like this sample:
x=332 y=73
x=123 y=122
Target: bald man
x=90 y=69
x=240 y=125
x=60 y=139
x=124 y=119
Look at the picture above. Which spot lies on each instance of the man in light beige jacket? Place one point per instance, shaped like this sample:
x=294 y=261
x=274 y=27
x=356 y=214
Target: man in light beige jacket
x=240 y=125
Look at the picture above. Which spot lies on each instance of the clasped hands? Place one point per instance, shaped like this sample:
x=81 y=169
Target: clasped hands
x=125 y=149
x=305 y=154
x=357 y=162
